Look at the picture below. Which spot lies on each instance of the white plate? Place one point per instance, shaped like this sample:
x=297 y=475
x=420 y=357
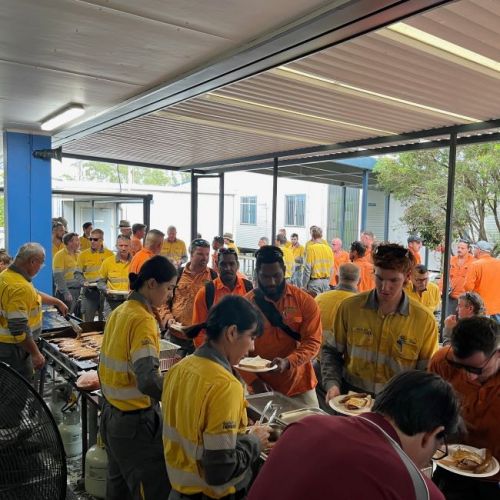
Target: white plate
x=256 y=370
x=494 y=466
x=336 y=405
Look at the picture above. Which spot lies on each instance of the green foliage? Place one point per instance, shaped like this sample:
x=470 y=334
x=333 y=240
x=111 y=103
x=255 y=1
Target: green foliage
x=419 y=181
x=123 y=174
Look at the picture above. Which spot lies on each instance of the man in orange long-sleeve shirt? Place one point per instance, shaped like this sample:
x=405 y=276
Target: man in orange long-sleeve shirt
x=340 y=257
x=297 y=312
x=229 y=282
x=472 y=366
x=459 y=267
x=152 y=246
x=358 y=258
x=483 y=278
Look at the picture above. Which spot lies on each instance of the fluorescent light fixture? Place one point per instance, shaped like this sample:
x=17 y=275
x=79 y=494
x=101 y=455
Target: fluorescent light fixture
x=440 y=43
x=63 y=116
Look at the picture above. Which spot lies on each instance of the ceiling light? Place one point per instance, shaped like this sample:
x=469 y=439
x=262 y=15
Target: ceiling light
x=63 y=116
x=440 y=43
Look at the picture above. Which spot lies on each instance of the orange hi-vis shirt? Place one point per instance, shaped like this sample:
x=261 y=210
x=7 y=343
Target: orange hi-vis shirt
x=200 y=311
x=301 y=313
x=458 y=274
x=416 y=255
x=139 y=258
x=367 y=277
x=480 y=403
x=338 y=259
x=135 y=245
x=187 y=287
x=483 y=278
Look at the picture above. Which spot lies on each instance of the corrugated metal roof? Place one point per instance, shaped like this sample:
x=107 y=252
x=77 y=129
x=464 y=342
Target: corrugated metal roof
x=376 y=85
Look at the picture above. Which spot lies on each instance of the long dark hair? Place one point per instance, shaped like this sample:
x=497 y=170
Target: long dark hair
x=231 y=310
x=157 y=267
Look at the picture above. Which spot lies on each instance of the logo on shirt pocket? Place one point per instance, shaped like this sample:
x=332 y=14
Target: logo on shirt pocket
x=406 y=348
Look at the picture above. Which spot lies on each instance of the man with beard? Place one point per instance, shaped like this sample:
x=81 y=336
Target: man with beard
x=229 y=282
x=379 y=333
x=292 y=331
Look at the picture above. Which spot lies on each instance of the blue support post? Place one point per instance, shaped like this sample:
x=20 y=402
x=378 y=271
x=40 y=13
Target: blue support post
x=364 y=200
x=28 y=199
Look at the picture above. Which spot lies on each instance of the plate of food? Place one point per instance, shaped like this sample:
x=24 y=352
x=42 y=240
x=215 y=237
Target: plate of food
x=353 y=403
x=469 y=461
x=255 y=364
x=178 y=327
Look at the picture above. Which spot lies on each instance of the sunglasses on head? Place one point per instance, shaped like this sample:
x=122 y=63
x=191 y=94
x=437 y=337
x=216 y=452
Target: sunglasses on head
x=227 y=251
x=200 y=242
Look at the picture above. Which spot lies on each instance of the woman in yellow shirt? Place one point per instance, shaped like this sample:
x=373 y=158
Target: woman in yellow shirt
x=207 y=451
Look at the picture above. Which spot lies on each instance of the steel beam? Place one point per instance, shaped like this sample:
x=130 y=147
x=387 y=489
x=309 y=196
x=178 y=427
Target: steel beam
x=449 y=225
x=121 y=162
x=377 y=143
x=324 y=28
x=146 y=210
x=275 y=201
x=221 y=204
x=194 y=205
x=364 y=200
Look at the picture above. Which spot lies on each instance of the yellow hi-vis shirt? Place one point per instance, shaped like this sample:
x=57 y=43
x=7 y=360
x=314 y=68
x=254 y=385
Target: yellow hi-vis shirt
x=89 y=262
x=84 y=243
x=20 y=307
x=174 y=251
x=289 y=261
x=203 y=408
x=66 y=263
x=298 y=252
x=430 y=298
x=131 y=333
x=318 y=261
x=56 y=248
x=377 y=347
x=329 y=303
x=115 y=273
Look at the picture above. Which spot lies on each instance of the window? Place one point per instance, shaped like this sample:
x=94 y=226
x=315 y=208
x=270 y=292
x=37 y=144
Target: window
x=248 y=210
x=295 y=209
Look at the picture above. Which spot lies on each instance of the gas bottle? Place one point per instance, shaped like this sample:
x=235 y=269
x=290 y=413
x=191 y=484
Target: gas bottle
x=60 y=396
x=96 y=469
x=71 y=432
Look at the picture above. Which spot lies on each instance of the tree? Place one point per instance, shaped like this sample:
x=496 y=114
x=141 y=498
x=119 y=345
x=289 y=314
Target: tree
x=419 y=181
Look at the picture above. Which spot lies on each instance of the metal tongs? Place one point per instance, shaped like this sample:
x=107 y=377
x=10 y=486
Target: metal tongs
x=74 y=325
x=273 y=413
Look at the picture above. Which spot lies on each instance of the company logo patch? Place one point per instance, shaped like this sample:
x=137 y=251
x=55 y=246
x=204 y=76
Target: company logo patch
x=228 y=425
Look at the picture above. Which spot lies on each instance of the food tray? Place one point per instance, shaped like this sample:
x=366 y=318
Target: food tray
x=168 y=349
x=289 y=417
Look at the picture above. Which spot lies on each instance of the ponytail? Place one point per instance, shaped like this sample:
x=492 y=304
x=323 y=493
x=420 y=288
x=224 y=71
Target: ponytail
x=194 y=330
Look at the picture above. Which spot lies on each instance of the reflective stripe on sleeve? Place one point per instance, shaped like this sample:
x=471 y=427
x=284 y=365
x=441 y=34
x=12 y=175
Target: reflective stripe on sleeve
x=226 y=441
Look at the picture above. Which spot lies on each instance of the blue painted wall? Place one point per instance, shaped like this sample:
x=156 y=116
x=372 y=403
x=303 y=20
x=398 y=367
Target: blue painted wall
x=28 y=199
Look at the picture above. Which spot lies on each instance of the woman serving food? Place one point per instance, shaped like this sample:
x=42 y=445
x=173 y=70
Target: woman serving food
x=207 y=449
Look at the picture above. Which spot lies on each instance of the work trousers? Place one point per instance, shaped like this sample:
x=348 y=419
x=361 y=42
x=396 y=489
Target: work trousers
x=91 y=303
x=72 y=306
x=110 y=305
x=319 y=285
x=136 y=464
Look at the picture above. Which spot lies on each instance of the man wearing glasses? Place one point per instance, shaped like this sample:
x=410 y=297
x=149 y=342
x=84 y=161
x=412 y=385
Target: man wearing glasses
x=375 y=456
x=229 y=282
x=87 y=273
x=472 y=366
x=379 y=333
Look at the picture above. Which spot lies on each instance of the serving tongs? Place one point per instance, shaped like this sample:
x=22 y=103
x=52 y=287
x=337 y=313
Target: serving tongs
x=72 y=320
x=273 y=413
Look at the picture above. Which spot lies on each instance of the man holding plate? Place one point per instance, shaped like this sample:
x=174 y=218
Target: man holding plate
x=472 y=366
